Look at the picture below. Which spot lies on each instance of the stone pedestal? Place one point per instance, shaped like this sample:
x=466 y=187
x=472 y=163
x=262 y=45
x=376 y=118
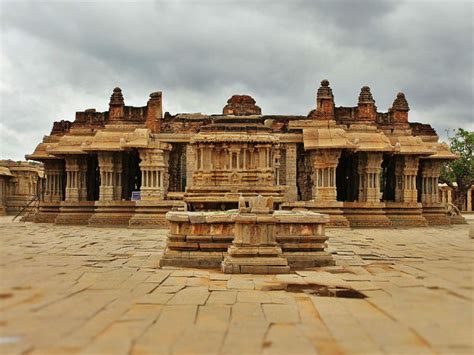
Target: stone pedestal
x=254 y=249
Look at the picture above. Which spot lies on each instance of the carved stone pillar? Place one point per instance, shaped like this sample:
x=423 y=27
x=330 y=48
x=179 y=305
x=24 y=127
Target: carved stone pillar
x=106 y=168
x=76 y=185
x=324 y=174
x=154 y=165
x=370 y=165
x=430 y=170
x=54 y=172
x=117 y=176
x=191 y=163
x=406 y=169
x=82 y=179
x=291 y=159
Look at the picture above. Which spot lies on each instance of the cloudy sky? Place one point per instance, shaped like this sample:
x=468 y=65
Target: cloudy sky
x=58 y=57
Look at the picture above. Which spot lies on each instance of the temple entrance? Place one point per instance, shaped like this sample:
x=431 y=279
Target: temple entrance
x=387 y=178
x=131 y=176
x=177 y=168
x=92 y=178
x=347 y=178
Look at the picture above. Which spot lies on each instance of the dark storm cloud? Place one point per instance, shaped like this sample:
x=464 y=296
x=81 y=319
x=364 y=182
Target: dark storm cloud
x=59 y=57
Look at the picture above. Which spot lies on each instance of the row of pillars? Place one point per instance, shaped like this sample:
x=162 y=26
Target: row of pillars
x=369 y=169
x=153 y=166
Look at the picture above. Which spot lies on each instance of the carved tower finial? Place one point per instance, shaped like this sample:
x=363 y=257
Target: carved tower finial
x=116 y=105
x=324 y=103
x=367 y=109
x=400 y=103
x=400 y=110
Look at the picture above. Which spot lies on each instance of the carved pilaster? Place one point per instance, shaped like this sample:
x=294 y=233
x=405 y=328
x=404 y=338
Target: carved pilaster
x=76 y=188
x=292 y=192
x=430 y=170
x=106 y=168
x=369 y=168
x=324 y=174
x=191 y=163
x=117 y=176
x=406 y=169
x=54 y=173
x=154 y=169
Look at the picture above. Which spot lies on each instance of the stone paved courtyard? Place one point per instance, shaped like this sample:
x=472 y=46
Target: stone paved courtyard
x=100 y=291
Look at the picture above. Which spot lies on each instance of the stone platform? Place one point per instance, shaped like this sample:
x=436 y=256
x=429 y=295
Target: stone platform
x=247 y=240
x=85 y=290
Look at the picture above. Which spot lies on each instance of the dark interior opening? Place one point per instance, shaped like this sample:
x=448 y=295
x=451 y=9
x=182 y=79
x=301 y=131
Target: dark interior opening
x=92 y=177
x=387 y=178
x=177 y=168
x=131 y=174
x=303 y=174
x=347 y=179
x=419 y=179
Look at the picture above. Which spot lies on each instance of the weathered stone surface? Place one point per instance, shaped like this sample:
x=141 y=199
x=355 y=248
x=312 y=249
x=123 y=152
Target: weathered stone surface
x=98 y=290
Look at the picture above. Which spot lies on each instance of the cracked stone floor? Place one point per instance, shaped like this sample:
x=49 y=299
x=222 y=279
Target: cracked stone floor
x=100 y=291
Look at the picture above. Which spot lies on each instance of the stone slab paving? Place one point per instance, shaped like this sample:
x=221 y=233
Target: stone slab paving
x=88 y=290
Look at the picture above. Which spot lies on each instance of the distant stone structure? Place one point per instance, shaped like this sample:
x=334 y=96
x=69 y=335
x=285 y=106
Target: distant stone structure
x=360 y=166
x=20 y=182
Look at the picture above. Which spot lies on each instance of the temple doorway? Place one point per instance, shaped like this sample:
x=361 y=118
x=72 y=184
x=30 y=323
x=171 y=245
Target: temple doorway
x=347 y=178
x=92 y=178
x=387 y=178
x=131 y=176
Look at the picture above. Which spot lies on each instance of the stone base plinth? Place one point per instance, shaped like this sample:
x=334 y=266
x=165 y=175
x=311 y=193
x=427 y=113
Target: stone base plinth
x=75 y=213
x=255 y=265
x=194 y=259
x=457 y=219
x=47 y=212
x=405 y=214
x=202 y=239
x=366 y=214
x=112 y=213
x=151 y=214
x=16 y=203
x=302 y=238
x=198 y=239
x=435 y=214
x=331 y=208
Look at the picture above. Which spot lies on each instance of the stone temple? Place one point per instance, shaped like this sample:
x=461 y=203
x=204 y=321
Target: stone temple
x=129 y=166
